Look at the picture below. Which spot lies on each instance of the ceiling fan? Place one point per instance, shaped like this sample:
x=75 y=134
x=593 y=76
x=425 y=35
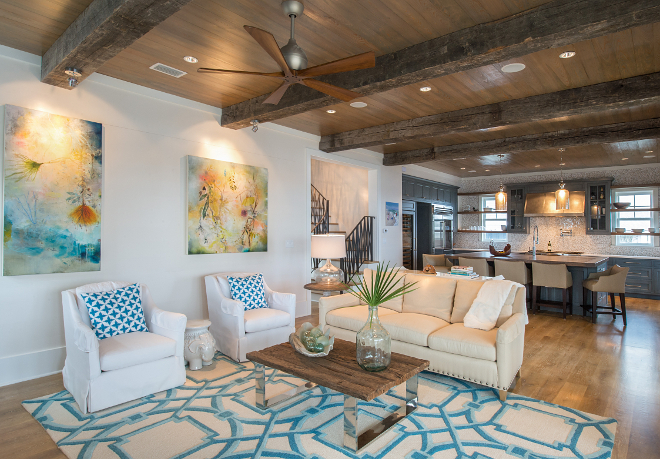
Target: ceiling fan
x=293 y=61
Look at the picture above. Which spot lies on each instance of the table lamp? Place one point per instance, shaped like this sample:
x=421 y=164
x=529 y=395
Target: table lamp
x=328 y=246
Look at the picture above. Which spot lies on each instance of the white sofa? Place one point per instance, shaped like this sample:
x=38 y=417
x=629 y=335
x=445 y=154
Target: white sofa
x=237 y=331
x=427 y=323
x=104 y=373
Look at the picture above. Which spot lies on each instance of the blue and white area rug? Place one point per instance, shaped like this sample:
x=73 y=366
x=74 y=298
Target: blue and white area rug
x=213 y=416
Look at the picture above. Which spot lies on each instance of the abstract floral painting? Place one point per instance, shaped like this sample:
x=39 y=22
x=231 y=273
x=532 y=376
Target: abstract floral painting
x=52 y=200
x=227 y=207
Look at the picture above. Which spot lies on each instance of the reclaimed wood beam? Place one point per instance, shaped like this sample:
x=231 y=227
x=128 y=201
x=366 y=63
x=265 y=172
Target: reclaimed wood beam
x=554 y=24
x=579 y=101
x=620 y=132
x=102 y=31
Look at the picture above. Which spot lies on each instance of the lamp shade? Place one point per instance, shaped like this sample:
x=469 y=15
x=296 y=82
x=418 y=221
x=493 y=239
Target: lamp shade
x=561 y=198
x=328 y=246
x=500 y=199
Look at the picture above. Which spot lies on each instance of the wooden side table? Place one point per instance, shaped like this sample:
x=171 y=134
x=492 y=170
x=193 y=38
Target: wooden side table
x=327 y=288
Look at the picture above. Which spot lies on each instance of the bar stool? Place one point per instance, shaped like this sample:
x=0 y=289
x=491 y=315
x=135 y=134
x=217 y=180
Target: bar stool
x=516 y=271
x=552 y=276
x=609 y=281
x=439 y=262
x=479 y=265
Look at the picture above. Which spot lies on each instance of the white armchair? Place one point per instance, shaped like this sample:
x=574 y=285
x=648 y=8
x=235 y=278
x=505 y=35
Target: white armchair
x=237 y=331
x=104 y=373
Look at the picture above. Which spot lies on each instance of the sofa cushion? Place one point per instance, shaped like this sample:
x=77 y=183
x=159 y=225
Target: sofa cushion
x=395 y=304
x=469 y=342
x=412 y=328
x=434 y=296
x=129 y=349
x=466 y=293
x=249 y=290
x=115 y=312
x=353 y=317
x=94 y=288
x=261 y=319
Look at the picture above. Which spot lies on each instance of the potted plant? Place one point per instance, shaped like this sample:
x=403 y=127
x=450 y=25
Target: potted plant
x=373 y=342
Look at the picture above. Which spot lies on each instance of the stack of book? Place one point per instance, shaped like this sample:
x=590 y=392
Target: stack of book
x=465 y=271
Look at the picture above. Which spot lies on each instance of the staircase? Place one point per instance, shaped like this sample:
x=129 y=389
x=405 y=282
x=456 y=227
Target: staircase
x=359 y=242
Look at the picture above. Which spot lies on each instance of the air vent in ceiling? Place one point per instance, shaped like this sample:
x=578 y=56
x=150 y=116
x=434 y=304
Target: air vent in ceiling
x=167 y=70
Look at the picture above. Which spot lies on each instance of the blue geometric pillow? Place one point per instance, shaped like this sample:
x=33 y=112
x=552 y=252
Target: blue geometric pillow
x=116 y=311
x=249 y=290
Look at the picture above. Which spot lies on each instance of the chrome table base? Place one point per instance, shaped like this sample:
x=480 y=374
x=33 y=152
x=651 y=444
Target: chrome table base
x=260 y=388
x=352 y=440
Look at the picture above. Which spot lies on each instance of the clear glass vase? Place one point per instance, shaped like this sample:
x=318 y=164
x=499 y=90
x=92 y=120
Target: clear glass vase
x=374 y=345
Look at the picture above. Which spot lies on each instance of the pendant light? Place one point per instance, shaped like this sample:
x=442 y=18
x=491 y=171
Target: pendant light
x=500 y=196
x=561 y=195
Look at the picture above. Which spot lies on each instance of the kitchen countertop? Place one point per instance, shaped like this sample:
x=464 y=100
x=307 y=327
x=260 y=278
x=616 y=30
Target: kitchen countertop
x=610 y=255
x=581 y=261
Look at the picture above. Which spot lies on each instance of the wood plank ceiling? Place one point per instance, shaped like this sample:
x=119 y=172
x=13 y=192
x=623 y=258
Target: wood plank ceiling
x=211 y=30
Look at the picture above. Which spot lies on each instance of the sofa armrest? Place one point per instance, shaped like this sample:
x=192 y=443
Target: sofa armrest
x=328 y=303
x=282 y=301
x=510 y=345
x=82 y=345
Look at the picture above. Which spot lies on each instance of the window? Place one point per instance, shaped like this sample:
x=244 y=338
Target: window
x=633 y=219
x=492 y=221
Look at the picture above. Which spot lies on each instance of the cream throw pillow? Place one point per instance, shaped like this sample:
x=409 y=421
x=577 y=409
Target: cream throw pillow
x=434 y=296
x=395 y=304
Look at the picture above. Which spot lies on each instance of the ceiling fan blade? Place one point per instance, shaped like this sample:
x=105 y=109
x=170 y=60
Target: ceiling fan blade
x=331 y=90
x=240 y=72
x=268 y=43
x=276 y=95
x=357 y=62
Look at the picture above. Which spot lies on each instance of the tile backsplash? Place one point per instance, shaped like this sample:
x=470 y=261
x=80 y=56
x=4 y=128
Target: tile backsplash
x=549 y=227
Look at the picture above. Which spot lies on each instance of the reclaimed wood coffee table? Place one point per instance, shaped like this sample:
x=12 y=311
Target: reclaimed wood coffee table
x=340 y=372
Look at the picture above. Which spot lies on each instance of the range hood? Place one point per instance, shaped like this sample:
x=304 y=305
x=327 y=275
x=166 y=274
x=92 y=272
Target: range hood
x=543 y=205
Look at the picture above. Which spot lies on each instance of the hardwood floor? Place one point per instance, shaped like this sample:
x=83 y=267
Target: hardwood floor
x=601 y=369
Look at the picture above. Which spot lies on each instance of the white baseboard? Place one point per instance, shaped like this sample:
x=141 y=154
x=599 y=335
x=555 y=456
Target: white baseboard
x=19 y=368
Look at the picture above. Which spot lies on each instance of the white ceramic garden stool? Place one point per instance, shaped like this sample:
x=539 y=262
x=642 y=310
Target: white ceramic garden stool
x=198 y=344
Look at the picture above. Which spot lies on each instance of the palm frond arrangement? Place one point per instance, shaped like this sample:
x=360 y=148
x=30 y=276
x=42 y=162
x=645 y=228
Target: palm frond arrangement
x=381 y=288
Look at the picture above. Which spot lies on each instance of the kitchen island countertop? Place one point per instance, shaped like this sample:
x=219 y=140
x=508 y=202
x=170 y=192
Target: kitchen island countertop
x=583 y=261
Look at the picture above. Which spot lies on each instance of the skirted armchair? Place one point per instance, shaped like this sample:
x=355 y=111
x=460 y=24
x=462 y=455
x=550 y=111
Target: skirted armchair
x=237 y=331
x=104 y=373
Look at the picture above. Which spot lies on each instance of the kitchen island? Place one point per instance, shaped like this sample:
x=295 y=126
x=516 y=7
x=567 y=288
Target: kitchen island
x=580 y=266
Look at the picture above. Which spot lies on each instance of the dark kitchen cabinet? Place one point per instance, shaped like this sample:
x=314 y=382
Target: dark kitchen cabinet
x=516 y=220
x=597 y=207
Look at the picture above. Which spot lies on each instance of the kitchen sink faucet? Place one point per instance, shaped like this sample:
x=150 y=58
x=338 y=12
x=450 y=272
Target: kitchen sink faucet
x=535 y=240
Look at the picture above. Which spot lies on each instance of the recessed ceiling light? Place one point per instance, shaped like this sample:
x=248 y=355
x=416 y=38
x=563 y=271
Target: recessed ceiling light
x=563 y=164
x=649 y=156
x=391 y=143
x=358 y=104
x=567 y=54
x=538 y=165
x=487 y=170
x=190 y=59
x=331 y=111
x=513 y=68
x=457 y=159
x=425 y=89
x=472 y=171
x=462 y=168
x=623 y=159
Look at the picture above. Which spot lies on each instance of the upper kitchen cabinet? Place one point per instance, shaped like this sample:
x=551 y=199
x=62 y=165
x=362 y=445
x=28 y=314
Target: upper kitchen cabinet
x=597 y=208
x=416 y=189
x=517 y=222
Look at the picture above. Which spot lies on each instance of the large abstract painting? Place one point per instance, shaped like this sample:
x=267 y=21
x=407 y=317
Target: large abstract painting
x=227 y=207
x=52 y=200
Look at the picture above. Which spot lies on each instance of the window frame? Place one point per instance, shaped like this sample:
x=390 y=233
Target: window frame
x=616 y=217
x=495 y=237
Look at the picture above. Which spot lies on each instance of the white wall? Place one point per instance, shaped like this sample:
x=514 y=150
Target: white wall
x=147 y=135
x=347 y=189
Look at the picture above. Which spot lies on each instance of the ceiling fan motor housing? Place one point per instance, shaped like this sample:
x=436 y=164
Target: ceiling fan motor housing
x=293 y=54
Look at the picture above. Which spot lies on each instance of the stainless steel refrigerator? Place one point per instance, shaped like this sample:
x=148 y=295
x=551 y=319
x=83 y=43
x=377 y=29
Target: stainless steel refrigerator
x=443 y=226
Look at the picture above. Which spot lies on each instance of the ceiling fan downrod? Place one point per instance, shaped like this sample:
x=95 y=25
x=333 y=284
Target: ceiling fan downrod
x=294 y=55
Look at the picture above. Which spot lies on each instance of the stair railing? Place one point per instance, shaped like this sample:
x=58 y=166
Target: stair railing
x=320 y=213
x=359 y=247
x=320 y=218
